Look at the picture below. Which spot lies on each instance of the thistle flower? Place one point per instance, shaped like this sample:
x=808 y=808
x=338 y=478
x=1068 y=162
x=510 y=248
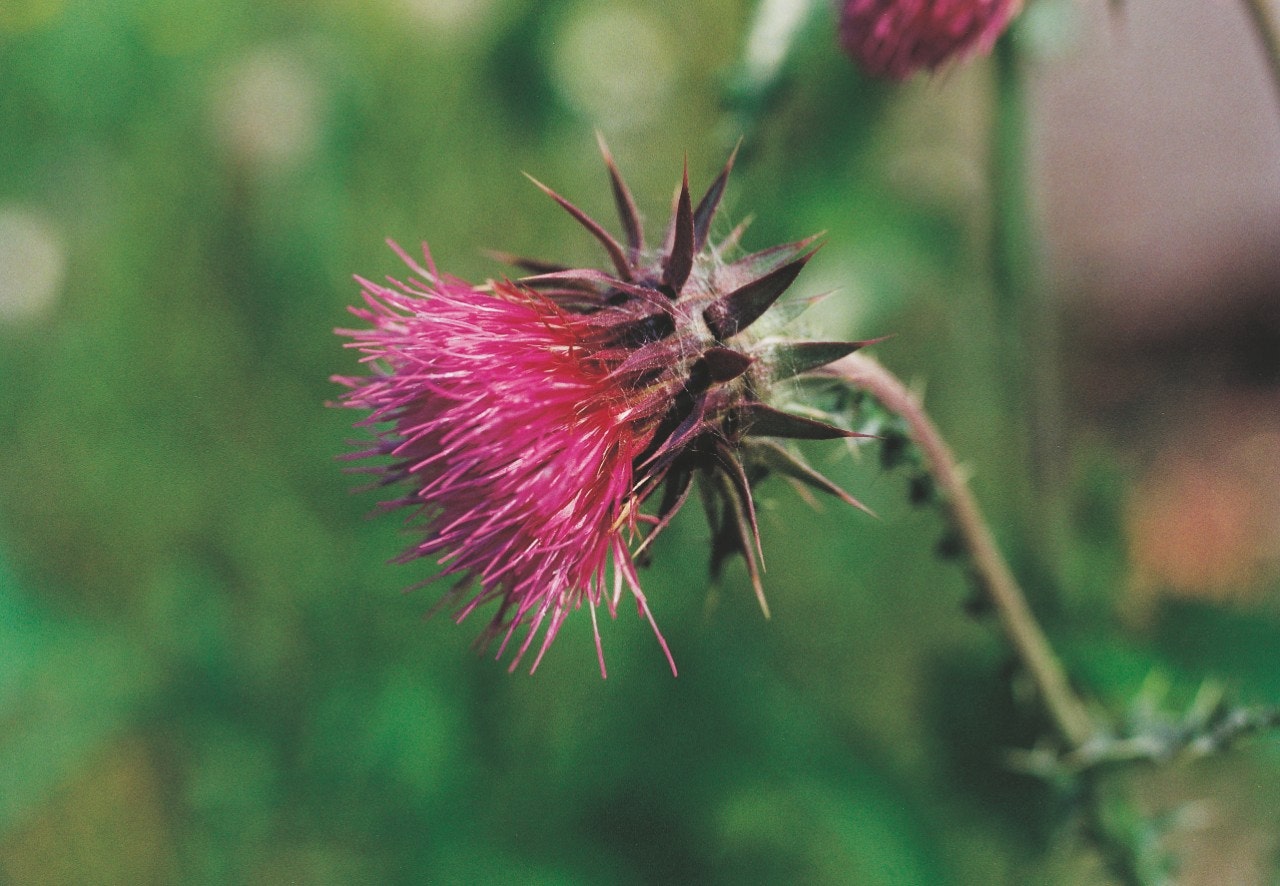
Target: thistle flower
x=896 y=38
x=531 y=420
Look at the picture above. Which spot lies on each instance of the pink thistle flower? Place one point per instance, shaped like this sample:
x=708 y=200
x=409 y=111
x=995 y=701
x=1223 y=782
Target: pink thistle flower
x=531 y=420
x=896 y=38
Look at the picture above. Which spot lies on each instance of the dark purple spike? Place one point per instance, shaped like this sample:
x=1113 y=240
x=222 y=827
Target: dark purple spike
x=710 y=202
x=690 y=427
x=723 y=544
x=759 y=420
x=680 y=260
x=724 y=541
x=792 y=358
x=732 y=467
x=739 y=533
x=611 y=246
x=554 y=281
x=572 y=293
x=532 y=265
x=676 y=492
x=757 y=264
x=575 y=301
x=599 y=281
x=731 y=313
x=635 y=329
x=627 y=211
x=791 y=465
x=652 y=356
x=726 y=364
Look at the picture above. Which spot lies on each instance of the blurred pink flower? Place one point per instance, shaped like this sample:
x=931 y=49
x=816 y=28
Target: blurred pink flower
x=896 y=38
x=530 y=420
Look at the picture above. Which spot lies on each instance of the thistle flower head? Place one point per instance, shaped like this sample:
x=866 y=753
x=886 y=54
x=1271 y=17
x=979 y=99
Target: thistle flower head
x=896 y=38
x=530 y=421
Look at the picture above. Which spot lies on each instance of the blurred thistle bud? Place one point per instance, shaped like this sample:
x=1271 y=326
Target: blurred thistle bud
x=531 y=420
x=896 y=38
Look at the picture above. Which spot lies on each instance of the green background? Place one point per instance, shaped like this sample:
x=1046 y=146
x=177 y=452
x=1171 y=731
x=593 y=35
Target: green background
x=208 y=671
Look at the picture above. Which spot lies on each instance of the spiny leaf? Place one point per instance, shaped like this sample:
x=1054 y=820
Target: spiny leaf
x=651 y=356
x=689 y=427
x=724 y=542
x=728 y=460
x=576 y=301
x=735 y=236
x=783 y=312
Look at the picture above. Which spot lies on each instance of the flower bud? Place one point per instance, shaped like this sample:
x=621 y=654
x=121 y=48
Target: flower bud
x=896 y=38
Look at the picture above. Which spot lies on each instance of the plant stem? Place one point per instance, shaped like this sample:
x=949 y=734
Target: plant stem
x=755 y=79
x=1029 y=352
x=1264 y=22
x=1069 y=714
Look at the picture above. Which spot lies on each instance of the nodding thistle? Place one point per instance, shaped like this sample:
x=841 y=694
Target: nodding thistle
x=546 y=430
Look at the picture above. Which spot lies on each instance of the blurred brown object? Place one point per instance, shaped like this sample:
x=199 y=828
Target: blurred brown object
x=1204 y=521
x=1158 y=152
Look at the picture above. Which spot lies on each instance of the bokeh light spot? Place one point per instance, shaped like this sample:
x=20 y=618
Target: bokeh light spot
x=267 y=108
x=33 y=265
x=615 y=65
x=447 y=18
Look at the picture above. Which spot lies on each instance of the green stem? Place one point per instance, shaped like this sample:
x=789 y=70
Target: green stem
x=771 y=38
x=1264 y=22
x=1013 y=240
x=1069 y=714
x=1026 y=326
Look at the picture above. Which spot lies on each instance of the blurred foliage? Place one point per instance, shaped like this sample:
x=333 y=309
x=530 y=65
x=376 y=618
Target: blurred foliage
x=207 y=671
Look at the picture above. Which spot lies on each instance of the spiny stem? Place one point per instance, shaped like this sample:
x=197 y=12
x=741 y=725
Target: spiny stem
x=1264 y=22
x=1069 y=714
